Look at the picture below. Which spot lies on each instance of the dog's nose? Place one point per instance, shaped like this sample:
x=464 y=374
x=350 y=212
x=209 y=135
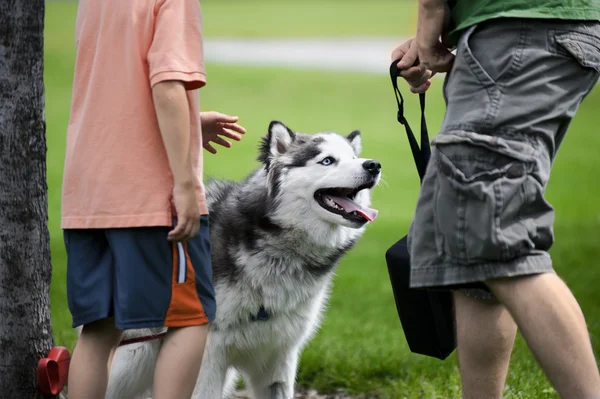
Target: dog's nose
x=372 y=166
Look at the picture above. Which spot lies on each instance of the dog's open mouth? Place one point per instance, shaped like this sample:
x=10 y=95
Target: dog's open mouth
x=340 y=200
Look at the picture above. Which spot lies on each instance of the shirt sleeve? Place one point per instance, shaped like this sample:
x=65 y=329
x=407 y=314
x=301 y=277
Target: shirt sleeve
x=176 y=51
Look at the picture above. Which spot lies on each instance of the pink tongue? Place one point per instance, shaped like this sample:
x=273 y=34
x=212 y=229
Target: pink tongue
x=351 y=206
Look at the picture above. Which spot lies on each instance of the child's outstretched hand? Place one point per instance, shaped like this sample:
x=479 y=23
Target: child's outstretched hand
x=215 y=125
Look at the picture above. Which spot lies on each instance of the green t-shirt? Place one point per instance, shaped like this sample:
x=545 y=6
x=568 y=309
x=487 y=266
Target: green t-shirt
x=469 y=12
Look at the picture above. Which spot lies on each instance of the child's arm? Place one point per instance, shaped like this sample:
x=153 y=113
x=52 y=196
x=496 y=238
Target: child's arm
x=176 y=64
x=172 y=111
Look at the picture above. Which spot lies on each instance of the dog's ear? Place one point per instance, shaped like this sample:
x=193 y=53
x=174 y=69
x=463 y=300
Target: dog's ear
x=280 y=138
x=276 y=142
x=355 y=141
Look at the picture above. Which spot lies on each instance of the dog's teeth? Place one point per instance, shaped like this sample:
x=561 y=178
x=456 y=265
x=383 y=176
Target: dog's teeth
x=332 y=204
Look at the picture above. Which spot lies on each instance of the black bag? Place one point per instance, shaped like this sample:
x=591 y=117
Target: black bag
x=427 y=317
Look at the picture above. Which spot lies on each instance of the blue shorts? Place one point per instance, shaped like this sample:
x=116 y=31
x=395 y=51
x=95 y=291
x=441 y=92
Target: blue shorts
x=139 y=278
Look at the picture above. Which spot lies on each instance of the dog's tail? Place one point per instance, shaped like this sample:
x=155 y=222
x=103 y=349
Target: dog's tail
x=132 y=370
x=231 y=380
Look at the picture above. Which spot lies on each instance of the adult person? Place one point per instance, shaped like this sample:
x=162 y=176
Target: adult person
x=482 y=226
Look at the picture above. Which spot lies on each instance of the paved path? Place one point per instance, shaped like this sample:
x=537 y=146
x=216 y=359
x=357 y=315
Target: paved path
x=351 y=54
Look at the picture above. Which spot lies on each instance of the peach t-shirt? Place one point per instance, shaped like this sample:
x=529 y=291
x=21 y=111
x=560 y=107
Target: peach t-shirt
x=116 y=168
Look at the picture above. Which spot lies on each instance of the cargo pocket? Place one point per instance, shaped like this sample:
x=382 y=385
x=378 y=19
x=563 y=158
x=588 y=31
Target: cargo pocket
x=491 y=50
x=484 y=186
x=581 y=46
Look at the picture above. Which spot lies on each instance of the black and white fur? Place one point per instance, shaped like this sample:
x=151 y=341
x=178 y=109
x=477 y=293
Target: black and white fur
x=273 y=245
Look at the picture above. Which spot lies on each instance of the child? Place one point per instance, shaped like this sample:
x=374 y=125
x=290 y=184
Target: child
x=133 y=209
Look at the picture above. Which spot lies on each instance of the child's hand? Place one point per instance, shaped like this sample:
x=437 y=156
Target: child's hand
x=215 y=125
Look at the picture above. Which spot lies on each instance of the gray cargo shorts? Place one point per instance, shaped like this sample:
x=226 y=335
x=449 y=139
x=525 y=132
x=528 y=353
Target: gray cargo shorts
x=510 y=97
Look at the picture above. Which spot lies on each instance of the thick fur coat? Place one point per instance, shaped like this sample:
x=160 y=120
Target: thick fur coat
x=276 y=238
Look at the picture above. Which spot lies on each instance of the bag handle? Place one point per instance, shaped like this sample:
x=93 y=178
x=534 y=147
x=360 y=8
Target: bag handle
x=421 y=155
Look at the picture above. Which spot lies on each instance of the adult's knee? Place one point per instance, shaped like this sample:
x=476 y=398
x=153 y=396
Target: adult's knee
x=485 y=330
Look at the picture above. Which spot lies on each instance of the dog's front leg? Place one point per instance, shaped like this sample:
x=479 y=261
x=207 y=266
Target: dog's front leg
x=277 y=383
x=278 y=390
x=213 y=370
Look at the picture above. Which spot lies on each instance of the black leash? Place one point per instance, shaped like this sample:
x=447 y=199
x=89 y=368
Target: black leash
x=421 y=155
x=427 y=317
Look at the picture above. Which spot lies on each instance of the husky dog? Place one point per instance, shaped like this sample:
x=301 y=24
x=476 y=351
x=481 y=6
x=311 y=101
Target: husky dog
x=276 y=238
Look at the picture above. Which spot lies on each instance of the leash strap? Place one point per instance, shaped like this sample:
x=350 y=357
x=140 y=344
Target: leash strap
x=142 y=339
x=420 y=155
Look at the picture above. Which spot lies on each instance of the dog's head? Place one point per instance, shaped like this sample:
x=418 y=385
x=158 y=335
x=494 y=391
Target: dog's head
x=318 y=178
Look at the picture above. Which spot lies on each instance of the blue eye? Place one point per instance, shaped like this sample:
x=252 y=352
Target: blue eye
x=327 y=161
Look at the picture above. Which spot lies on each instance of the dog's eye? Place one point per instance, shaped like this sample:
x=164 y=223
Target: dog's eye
x=327 y=161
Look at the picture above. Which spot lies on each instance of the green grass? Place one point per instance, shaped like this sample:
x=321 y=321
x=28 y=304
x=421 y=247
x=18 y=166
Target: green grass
x=360 y=347
x=289 y=18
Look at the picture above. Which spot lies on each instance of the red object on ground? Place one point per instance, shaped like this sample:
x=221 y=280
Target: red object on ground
x=52 y=371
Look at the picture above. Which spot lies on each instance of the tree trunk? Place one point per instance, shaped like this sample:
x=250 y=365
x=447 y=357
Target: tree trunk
x=25 y=269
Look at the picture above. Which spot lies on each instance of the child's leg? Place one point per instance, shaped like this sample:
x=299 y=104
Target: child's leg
x=160 y=283
x=90 y=273
x=88 y=372
x=179 y=361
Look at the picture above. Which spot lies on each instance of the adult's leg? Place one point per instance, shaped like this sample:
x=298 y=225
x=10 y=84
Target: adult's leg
x=485 y=337
x=554 y=328
x=509 y=107
x=544 y=308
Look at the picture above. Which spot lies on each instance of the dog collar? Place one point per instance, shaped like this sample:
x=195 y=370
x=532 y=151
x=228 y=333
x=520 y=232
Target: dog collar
x=262 y=315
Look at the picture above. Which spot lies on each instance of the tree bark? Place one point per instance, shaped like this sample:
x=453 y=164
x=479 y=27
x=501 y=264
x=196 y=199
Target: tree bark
x=25 y=269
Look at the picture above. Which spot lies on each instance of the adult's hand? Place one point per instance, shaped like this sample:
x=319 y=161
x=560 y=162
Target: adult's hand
x=417 y=77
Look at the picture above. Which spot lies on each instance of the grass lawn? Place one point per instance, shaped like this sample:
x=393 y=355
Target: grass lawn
x=277 y=18
x=361 y=347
